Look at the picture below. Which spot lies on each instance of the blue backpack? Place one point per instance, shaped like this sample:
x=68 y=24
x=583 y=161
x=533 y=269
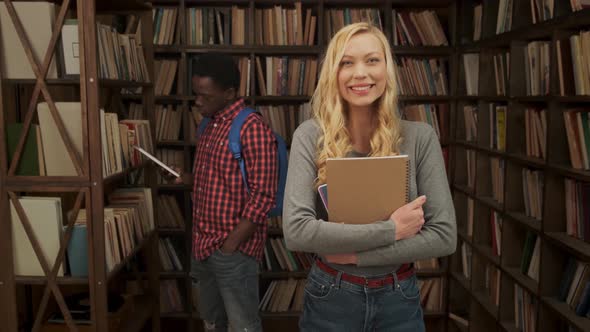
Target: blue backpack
x=235 y=146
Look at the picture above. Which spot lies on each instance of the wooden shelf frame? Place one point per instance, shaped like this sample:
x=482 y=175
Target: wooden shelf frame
x=89 y=184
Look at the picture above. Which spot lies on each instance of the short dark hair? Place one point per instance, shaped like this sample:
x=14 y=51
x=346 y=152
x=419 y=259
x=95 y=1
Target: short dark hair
x=221 y=68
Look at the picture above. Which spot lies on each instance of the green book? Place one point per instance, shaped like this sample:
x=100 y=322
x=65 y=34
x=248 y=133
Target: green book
x=29 y=160
x=527 y=251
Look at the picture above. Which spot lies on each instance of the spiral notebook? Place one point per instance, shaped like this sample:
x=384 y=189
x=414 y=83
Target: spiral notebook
x=365 y=190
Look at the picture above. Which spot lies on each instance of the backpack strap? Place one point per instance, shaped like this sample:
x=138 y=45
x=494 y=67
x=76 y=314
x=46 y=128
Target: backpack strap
x=235 y=144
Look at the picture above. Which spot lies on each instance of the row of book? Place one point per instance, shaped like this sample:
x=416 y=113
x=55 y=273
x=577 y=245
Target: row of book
x=278 y=258
x=504 y=18
x=284 y=119
x=222 y=26
x=119 y=138
x=532 y=190
x=120 y=54
x=294 y=26
x=418 y=28
x=135 y=111
x=570 y=52
x=535 y=125
x=537 y=64
x=573 y=74
x=497 y=168
x=170 y=157
x=45 y=152
x=335 y=19
x=577 y=128
x=170 y=298
x=577 y=209
x=283 y=295
x=297 y=25
x=128 y=219
x=434 y=115
x=121 y=57
x=169 y=214
x=420 y=77
x=169 y=259
x=168 y=122
x=166 y=31
x=135 y=205
x=574 y=287
x=525 y=310
x=541 y=10
x=431 y=294
x=165 y=70
x=281 y=76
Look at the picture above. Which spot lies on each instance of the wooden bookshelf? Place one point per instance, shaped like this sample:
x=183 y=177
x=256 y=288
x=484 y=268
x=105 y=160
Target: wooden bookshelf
x=185 y=49
x=517 y=224
x=89 y=187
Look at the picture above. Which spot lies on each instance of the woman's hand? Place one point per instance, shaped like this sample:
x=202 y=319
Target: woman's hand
x=409 y=219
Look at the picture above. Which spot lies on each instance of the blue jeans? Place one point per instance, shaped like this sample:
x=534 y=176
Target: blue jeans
x=228 y=291
x=331 y=304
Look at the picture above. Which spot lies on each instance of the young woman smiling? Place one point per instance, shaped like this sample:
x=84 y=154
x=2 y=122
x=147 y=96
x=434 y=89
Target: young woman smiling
x=363 y=279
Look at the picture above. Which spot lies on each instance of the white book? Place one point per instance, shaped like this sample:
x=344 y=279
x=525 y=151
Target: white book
x=45 y=218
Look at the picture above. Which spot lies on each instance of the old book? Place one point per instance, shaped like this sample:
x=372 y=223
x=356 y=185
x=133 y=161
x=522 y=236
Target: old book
x=45 y=217
x=57 y=159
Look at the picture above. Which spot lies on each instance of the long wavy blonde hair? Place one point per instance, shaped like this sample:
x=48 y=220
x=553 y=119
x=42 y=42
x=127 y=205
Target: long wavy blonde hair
x=331 y=114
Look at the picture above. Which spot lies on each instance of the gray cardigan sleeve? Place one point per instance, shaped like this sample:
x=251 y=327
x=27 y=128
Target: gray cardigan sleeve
x=438 y=236
x=302 y=229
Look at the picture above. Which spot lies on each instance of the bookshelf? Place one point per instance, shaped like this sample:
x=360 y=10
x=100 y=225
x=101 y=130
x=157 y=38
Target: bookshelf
x=28 y=300
x=256 y=43
x=511 y=159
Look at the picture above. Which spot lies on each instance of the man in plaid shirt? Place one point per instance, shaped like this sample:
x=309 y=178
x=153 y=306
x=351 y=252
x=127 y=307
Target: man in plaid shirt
x=229 y=222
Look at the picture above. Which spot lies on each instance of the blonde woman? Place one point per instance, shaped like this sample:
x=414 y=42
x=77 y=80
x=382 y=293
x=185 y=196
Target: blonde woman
x=363 y=279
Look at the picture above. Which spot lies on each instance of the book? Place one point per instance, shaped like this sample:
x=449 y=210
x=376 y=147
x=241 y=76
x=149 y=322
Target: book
x=45 y=218
x=368 y=189
x=156 y=160
x=323 y=191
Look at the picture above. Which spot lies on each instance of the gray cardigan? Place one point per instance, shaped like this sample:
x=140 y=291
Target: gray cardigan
x=305 y=228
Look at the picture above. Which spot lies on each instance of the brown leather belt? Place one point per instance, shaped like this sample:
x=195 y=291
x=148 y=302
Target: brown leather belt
x=404 y=272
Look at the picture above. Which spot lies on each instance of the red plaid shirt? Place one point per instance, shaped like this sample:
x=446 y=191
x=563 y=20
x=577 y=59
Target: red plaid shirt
x=220 y=198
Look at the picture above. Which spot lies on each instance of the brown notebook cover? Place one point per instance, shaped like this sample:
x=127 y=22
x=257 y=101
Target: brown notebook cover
x=365 y=190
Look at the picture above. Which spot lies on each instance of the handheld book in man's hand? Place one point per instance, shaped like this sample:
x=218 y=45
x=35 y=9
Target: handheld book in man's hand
x=368 y=189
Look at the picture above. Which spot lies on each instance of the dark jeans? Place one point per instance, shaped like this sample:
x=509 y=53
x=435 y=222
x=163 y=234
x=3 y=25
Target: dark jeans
x=228 y=291
x=331 y=304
